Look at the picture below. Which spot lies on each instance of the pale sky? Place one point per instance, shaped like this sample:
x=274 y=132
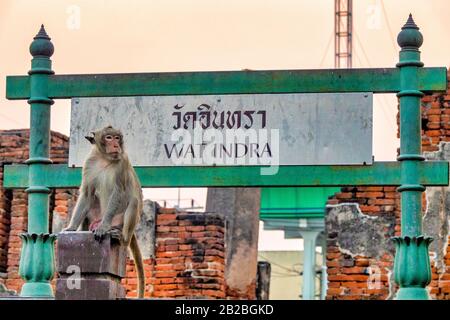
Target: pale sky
x=114 y=36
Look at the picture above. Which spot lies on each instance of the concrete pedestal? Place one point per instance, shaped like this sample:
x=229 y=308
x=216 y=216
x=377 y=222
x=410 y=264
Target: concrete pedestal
x=89 y=269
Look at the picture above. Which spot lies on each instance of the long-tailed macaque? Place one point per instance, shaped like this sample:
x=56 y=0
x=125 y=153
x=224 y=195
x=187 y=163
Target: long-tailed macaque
x=110 y=195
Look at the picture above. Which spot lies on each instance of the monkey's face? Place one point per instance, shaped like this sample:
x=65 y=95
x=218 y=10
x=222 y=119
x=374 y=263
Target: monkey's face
x=113 y=145
x=109 y=142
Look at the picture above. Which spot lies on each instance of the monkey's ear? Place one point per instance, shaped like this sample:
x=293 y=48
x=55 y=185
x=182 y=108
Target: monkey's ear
x=90 y=139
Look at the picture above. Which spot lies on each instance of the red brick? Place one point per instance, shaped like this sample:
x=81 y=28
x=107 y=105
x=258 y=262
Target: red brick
x=333 y=263
x=343 y=277
x=353 y=284
x=195 y=228
x=381 y=201
x=162 y=287
x=362 y=262
x=372 y=188
x=166 y=216
x=370 y=194
x=365 y=208
x=333 y=255
x=353 y=270
x=334 y=291
x=165 y=274
x=433 y=133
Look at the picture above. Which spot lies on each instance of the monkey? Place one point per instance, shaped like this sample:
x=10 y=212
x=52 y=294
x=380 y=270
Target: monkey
x=110 y=198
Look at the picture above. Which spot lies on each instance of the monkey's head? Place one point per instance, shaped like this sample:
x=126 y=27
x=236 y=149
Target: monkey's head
x=109 y=142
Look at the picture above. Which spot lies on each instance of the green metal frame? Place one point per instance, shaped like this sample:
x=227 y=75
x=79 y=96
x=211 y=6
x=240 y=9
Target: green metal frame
x=433 y=173
x=226 y=82
x=409 y=80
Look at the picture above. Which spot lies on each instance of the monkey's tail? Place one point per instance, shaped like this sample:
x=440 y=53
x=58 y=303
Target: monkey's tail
x=136 y=252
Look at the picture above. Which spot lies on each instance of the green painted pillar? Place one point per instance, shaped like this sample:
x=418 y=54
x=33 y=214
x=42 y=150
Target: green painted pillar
x=309 y=263
x=37 y=255
x=412 y=270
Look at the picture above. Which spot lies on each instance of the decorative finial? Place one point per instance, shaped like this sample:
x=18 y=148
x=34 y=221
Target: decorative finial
x=410 y=24
x=42 y=34
x=410 y=36
x=41 y=45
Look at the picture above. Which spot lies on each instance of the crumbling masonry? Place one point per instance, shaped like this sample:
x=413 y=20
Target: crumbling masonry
x=361 y=220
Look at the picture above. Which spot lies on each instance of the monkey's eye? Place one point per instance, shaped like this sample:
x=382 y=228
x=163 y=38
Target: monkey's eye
x=108 y=137
x=117 y=138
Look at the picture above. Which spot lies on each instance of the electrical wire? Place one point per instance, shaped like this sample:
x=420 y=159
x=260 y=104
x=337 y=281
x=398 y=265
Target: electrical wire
x=11 y=119
x=382 y=99
x=391 y=34
x=278 y=265
x=326 y=50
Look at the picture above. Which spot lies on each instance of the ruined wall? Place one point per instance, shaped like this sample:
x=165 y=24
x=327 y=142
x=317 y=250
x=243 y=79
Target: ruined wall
x=436 y=144
x=189 y=259
x=13 y=203
x=360 y=221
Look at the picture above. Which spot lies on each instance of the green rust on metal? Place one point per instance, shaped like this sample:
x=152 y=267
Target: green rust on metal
x=412 y=270
x=35 y=269
x=37 y=257
x=227 y=82
x=432 y=173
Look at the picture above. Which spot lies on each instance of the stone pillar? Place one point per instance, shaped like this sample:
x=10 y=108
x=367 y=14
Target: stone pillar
x=240 y=207
x=89 y=269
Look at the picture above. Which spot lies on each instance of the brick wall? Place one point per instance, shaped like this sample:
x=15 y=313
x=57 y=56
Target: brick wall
x=353 y=276
x=189 y=259
x=435 y=120
x=13 y=203
x=5 y=223
x=436 y=129
x=350 y=275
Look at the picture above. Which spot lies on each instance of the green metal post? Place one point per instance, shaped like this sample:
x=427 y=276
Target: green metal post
x=37 y=255
x=412 y=264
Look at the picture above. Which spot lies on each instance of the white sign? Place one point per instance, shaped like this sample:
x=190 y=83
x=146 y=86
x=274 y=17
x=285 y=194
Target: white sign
x=227 y=130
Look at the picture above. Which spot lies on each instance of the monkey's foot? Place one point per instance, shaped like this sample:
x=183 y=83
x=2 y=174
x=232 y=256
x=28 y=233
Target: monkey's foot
x=115 y=234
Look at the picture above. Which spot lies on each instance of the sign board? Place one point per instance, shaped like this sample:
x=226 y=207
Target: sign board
x=229 y=130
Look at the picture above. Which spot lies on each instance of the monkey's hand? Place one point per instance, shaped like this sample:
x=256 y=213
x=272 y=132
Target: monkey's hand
x=100 y=232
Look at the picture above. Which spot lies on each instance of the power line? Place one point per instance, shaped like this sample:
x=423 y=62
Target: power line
x=326 y=50
x=382 y=101
x=362 y=49
x=279 y=265
x=11 y=119
x=394 y=43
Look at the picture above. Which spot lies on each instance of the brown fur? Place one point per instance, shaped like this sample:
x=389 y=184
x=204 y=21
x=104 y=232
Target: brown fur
x=110 y=196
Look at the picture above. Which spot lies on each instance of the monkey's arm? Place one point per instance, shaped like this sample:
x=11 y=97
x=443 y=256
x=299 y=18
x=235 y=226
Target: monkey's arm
x=112 y=208
x=79 y=213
